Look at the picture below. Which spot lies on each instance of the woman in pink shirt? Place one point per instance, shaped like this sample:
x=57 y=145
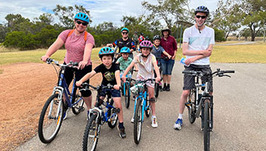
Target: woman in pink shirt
x=78 y=43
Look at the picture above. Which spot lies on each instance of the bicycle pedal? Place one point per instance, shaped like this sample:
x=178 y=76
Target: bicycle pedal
x=116 y=110
x=188 y=104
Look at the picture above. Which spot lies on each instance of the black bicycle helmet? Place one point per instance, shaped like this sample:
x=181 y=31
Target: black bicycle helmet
x=157 y=37
x=202 y=9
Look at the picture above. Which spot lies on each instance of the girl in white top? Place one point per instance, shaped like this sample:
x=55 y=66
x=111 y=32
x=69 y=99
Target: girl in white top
x=146 y=62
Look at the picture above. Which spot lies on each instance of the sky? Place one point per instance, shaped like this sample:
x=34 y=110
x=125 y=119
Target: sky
x=100 y=10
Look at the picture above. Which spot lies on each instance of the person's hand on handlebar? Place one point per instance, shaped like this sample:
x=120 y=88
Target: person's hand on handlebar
x=82 y=64
x=124 y=78
x=116 y=87
x=44 y=58
x=158 y=79
x=78 y=83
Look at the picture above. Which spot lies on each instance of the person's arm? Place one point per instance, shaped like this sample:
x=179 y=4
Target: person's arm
x=85 y=78
x=86 y=55
x=156 y=68
x=193 y=59
x=118 y=81
x=53 y=48
x=167 y=54
x=187 y=52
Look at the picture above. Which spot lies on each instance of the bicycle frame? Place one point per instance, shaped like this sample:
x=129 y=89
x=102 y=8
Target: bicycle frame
x=142 y=96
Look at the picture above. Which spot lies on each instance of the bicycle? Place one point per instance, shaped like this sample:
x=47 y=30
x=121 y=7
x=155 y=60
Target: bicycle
x=98 y=116
x=126 y=88
x=200 y=102
x=141 y=105
x=55 y=108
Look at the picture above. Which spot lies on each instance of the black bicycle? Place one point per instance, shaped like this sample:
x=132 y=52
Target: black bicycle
x=200 y=102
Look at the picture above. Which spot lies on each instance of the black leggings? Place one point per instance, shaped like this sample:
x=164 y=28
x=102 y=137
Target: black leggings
x=69 y=73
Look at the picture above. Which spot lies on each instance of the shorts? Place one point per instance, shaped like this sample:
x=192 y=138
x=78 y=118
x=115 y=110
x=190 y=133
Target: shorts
x=189 y=81
x=114 y=93
x=167 y=66
x=148 y=83
x=69 y=73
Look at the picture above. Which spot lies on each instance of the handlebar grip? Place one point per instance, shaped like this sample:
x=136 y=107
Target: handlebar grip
x=229 y=71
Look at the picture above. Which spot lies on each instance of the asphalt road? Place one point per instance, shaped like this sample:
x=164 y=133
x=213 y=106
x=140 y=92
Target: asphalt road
x=239 y=119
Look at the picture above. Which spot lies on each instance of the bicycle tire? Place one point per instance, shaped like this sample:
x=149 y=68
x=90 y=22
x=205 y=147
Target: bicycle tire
x=156 y=88
x=113 y=118
x=91 y=133
x=77 y=108
x=51 y=127
x=206 y=124
x=138 y=122
x=127 y=96
x=192 y=109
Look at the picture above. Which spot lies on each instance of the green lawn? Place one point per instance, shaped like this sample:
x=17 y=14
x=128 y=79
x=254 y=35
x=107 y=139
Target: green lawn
x=254 y=53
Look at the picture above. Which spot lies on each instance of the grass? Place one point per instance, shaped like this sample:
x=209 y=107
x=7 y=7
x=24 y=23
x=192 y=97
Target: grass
x=253 y=53
x=35 y=56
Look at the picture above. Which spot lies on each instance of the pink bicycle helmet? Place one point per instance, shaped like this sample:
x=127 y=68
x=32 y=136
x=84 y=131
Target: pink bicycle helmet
x=145 y=44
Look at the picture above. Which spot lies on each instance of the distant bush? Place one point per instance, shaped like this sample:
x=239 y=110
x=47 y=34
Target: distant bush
x=219 y=35
x=20 y=39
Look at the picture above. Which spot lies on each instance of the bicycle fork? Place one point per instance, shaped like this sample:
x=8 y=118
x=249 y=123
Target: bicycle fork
x=210 y=99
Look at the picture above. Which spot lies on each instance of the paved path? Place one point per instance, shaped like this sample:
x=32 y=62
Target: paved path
x=239 y=119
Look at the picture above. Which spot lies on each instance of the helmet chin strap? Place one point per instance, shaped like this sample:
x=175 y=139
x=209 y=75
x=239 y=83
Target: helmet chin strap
x=145 y=56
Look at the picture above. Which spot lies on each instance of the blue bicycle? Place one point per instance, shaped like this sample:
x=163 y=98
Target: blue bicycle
x=141 y=106
x=104 y=111
x=55 y=108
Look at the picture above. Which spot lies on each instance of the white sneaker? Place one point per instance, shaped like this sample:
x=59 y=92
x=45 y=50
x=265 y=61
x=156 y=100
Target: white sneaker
x=154 y=122
x=132 y=119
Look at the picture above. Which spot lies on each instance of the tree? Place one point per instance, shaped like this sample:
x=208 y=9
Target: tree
x=170 y=11
x=17 y=23
x=66 y=14
x=253 y=12
x=226 y=17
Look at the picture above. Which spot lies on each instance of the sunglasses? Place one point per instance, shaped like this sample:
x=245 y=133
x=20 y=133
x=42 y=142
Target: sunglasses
x=203 y=17
x=124 y=33
x=83 y=23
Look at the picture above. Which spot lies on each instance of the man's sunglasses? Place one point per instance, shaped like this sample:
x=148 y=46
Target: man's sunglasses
x=203 y=17
x=124 y=33
x=83 y=23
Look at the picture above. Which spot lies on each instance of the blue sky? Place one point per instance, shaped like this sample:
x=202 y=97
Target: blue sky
x=100 y=10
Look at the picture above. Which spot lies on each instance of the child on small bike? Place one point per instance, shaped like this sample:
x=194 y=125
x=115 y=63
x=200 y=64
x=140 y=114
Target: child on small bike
x=146 y=62
x=111 y=75
x=124 y=61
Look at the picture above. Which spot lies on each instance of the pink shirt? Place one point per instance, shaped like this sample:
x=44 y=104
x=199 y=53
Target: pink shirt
x=75 y=46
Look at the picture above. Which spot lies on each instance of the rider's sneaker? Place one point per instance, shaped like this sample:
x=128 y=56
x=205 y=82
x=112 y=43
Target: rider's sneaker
x=122 y=132
x=178 y=124
x=154 y=122
x=132 y=119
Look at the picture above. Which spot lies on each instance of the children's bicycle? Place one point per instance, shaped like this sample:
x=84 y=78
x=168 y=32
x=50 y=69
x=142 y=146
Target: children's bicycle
x=200 y=102
x=141 y=106
x=101 y=113
x=55 y=108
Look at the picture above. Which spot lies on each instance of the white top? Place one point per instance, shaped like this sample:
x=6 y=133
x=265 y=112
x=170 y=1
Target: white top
x=145 y=68
x=199 y=41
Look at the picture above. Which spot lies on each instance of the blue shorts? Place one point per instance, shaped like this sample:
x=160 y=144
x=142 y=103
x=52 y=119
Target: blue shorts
x=167 y=66
x=114 y=93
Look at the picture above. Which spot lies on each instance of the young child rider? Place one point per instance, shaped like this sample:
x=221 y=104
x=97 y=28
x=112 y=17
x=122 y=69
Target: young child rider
x=111 y=75
x=146 y=62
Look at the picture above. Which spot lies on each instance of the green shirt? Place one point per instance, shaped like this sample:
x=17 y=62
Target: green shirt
x=124 y=63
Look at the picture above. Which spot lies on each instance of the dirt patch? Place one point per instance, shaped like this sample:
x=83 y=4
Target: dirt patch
x=24 y=88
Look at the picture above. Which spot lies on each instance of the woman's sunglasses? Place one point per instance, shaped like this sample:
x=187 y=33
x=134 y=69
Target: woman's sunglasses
x=83 y=23
x=124 y=33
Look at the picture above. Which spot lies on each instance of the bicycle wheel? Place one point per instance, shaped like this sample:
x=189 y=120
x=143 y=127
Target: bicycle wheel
x=78 y=104
x=127 y=95
x=191 y=100
x=50 y=119
x=138 y=122
x=91 y=134
x=113 y=117
x=156 y=90
x=206 y=123
x=147 y=112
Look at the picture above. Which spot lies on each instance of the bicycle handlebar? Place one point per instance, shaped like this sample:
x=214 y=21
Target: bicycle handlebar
x=218 y=72
x=85 y=86
x=70 y=64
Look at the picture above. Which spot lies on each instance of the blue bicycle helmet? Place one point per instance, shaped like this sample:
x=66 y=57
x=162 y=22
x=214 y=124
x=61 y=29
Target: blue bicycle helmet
x=202 y=9
x=106 y=51
x=124 y=29
x=82 y=16
x=125 y=50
